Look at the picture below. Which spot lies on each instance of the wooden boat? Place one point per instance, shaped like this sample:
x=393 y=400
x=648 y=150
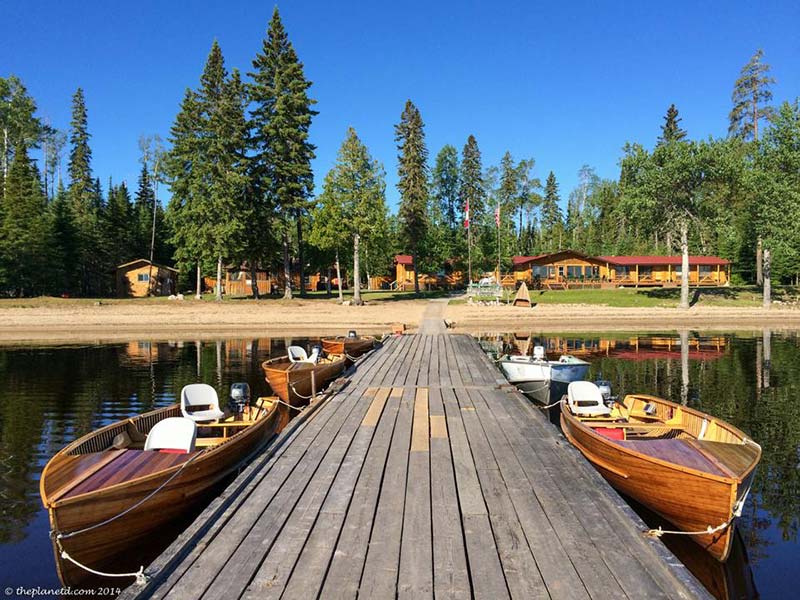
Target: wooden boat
x=690 y=468
x=91 y=481
x=291 y=381
x=351 y=347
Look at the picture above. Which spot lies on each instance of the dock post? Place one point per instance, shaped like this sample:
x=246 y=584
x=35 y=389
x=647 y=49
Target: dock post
x=313 y=387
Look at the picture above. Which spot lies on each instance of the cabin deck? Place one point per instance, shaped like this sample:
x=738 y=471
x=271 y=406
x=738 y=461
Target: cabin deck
x=426 y=476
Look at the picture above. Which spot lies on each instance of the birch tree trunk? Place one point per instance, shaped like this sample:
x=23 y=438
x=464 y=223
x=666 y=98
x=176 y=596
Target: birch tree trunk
x=759 y=263
x=287 y=268
x=218 y=291
x=356 y=272
x=199 y=288
x=339 y=277
x=300 y=253
x=767 y=279
x=684 y=265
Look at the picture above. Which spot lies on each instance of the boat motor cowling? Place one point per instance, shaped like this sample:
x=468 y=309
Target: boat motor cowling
x=538 y=352
x=240 y=397
x=352 y=334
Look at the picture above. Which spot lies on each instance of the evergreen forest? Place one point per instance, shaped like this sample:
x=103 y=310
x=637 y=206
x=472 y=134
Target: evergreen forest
x=237 y=166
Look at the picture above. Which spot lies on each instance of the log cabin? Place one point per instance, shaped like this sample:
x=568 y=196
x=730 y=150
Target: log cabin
x=140 y=278
x=570 y=269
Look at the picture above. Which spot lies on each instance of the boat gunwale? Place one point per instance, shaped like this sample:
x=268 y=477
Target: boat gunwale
x=197 y=458
x=649 y=458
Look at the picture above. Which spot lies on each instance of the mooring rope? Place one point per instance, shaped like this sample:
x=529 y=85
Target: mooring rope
x=279 y=401
x=737 y=512
x=141 y=578
x=552 y=404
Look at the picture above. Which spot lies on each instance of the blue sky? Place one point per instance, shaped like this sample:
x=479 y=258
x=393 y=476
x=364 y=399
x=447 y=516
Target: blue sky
x=564 y=83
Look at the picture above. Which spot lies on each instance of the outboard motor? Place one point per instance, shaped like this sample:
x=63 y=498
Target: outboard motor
x=352 y=334
x=538 y=352
x=316 y=353
x=605 y=390
x=240 y=398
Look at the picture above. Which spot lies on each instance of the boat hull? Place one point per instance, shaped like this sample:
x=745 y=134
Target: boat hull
x=692 y=501
x=115 y=546
x=350 y=348
x=526 y=372
x=568 y=372
x=291 y=382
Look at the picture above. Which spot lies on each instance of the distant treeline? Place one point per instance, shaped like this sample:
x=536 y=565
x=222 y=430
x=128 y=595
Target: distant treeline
x=238 y=166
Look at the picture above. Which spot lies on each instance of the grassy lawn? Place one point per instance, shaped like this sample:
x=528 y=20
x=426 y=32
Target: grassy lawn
x=655 y=297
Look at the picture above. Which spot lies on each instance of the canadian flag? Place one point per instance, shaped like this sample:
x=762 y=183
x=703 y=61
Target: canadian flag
x=466 y=215
x=497 y=215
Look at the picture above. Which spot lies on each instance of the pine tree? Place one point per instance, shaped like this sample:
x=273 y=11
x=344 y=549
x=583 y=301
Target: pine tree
x=23 y=228
x=445 y=186
x=185 y=214
x=19 y=127
x=281 y=120
x=507 y=196
x=120 y=238
x=142 y=214
x=552 y=217
x=412 y=180
x=751 y=95
x=472 y=196
x=64 y=246
x=671 y=130
x=83 y=197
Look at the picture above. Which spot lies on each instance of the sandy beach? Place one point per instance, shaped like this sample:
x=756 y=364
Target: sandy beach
x=89 y=321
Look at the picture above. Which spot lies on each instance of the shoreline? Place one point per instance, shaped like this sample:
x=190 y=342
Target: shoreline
x=108 y=323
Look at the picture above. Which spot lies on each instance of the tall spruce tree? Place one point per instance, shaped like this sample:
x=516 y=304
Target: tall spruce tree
x=445 y=184
x=120 y=239
x=671 y=131
x=412 y=182
x=185 y=213
x=751 y=97
x=472 y=196
x=83 y=198
x=19 y=126
x=281 y=119
x=23 y=230
x=552 y=217
x=142 y=214
x=64 y=246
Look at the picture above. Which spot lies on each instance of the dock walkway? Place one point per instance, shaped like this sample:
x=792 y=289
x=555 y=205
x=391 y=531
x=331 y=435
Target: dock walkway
x=426 y=476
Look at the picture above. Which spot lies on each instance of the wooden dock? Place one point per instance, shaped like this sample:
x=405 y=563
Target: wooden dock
x=426 y=476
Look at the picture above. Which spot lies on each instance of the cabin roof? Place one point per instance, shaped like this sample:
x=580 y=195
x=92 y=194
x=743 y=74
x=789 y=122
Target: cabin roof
x=404 y=259
x=521 y=260
x=664 y=260
x=140 y=262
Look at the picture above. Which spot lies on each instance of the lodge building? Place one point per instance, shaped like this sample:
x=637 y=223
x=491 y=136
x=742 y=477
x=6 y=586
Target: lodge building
x=568 y=268
x=140 y=278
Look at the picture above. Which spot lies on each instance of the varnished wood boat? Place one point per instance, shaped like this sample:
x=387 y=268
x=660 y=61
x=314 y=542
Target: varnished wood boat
x=350 y=347
x=291 y=381
x=91 y=482
x=688 y=467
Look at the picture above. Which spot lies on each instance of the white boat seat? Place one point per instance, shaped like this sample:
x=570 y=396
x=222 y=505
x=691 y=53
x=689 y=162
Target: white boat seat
x=200 y=394
x=586 y=400
x=173 y=434
x=297 y=354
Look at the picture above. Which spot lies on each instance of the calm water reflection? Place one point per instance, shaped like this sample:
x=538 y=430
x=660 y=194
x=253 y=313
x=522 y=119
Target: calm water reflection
x=49 y=396
x=750 y=380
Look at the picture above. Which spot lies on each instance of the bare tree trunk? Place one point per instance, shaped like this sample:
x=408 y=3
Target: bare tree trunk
x=254 y=279
x=684 y=334
x=668 y=241
x=366 y=266
x=416 y=274
x=339 y=276
x=767 y=340
x=684 y=265
x=287 y=268
x=300 y=253
x=328 y=283
x=759 y=263
x=199 y=288
x=218 y=292
x=356 y=273
x=767 y=279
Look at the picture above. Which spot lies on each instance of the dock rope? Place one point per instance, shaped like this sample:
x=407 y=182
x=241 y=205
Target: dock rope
x=737 y=512
x=141 y=578
x=552 y=404
x=298 y=394
x=279 y=401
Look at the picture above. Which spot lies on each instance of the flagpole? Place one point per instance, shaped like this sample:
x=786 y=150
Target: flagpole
x=497 y=221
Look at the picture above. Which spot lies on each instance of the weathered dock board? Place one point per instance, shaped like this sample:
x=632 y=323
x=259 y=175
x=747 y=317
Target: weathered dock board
x=424 y=477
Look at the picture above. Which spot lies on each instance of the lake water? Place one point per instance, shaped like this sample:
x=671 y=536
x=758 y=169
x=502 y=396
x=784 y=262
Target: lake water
x=51 y=395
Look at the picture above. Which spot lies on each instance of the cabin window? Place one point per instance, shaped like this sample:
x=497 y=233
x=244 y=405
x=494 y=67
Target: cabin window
x=623 y=271
x=143 y=277
x=539 y=271
x=645 y=272
x=705 y=270
x=591 y=271
x=574 y=271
